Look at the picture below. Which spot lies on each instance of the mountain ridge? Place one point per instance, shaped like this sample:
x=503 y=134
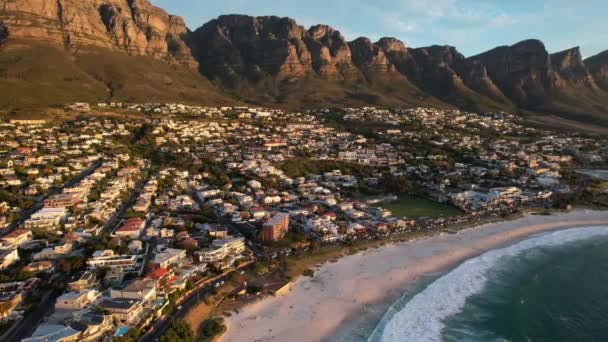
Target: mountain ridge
x=275 y=61
x=132 y=26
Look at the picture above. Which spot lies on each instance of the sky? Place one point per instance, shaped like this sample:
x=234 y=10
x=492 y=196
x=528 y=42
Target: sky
x=473 y=26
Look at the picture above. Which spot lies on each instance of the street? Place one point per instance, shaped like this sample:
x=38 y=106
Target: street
x=184 y=306
x=25 y=215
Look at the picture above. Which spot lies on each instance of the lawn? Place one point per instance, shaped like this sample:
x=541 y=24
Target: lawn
x=415 y=207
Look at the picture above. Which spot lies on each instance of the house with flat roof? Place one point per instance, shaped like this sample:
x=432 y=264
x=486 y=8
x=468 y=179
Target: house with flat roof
x=92 y=326
x=76 y=300
x=169 y=257
x=107 y=258
x=55 y=252
x=8 y=257
x=18 y=237
x=9 y=302
x=47 y=218
x=31 y=122
x=139 y=289
x=222 y=249
x=125 y=311
x=39 y=266
x=54 y=332
x=64 y=200
x=85 y=280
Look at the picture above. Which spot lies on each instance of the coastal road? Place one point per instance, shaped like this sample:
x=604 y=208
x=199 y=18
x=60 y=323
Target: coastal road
x=188 y=303
x=162 y=325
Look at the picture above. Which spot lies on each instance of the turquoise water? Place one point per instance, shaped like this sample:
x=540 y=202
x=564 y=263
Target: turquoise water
x=121 y=331
x=552 y=287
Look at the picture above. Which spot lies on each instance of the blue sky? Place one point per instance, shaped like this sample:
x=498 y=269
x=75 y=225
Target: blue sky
x=473 y=26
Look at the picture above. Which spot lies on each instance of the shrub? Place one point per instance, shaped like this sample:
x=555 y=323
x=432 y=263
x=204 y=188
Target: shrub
x=308 y=273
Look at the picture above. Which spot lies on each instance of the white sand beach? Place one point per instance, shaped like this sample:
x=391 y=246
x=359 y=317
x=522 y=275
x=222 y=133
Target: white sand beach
x=340 y=293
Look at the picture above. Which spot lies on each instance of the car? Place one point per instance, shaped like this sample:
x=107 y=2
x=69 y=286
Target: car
x=179 y=307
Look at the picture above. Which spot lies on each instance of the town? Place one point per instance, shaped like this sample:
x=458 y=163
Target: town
x=111 y=225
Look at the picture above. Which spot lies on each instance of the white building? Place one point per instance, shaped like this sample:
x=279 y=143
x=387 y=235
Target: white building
x=222 y=249
x=47 y=218
x=107 y=258
x=53 y=332
x=140 y=289
x=77 y=300
x=169 y=256
x=8 y=257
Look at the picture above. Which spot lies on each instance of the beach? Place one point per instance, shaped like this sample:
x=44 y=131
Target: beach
x=358 y=289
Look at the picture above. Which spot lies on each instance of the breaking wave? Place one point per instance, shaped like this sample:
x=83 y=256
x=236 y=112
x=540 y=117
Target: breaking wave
x=421 y=318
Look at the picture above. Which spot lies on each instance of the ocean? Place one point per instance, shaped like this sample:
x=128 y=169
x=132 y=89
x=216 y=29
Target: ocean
x=551 y=287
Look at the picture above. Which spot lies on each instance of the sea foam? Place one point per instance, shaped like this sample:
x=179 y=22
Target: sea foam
x=421 y=319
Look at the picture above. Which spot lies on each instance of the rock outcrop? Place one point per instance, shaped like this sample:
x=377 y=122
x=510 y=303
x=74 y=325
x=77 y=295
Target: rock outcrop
x=271 y=60
x=523 y=71
x=370 y=59
x=571 y=69
x=332 y=58
x=475 y=75
x=133 y=26
x=236 y=46
x=440 y=70
x=598 y=68
x=399 y=55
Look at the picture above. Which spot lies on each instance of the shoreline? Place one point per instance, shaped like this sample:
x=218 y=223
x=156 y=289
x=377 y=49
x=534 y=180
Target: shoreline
x=350 y=296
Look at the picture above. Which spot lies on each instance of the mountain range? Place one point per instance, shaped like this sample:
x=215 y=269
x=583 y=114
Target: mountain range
x=57 y=51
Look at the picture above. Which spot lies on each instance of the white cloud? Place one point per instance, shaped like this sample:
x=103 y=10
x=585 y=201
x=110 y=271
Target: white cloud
x=453 y=12
x=400 y=25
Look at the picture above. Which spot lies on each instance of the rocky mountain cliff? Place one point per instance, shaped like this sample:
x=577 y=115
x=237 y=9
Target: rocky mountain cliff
x=570 y=67
x=332 y=57
x=560 y=83
x=598 y=68
x=233 y=47
x=523 y=71
x=274 y=61
x=242 y=51
x=133 y=26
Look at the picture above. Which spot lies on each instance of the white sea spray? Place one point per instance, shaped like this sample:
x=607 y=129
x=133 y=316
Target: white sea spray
x=422 y=318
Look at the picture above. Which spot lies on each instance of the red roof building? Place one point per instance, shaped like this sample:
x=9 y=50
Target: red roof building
x=24 y=150
x=131 y=228
x=329 y=216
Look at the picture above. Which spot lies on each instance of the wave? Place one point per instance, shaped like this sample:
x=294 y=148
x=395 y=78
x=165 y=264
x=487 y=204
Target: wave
x=421 y=318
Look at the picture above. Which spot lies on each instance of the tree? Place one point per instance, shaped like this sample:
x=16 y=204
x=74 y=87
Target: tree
x=132 y=213
x=101 y=272
x=308 y=273
x=214 y=327
x=72 y=264
x=178 y=332
x=396 y=184
x=131 y=336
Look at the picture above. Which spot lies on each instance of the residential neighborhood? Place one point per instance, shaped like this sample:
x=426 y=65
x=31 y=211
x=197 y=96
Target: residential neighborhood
x=110 y=223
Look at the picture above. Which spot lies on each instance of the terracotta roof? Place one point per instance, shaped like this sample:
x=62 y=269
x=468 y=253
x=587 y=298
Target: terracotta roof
x=158 y=273
x=132 y=224
x=17 y=233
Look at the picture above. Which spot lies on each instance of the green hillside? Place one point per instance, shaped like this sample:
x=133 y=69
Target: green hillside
x=38 y=75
